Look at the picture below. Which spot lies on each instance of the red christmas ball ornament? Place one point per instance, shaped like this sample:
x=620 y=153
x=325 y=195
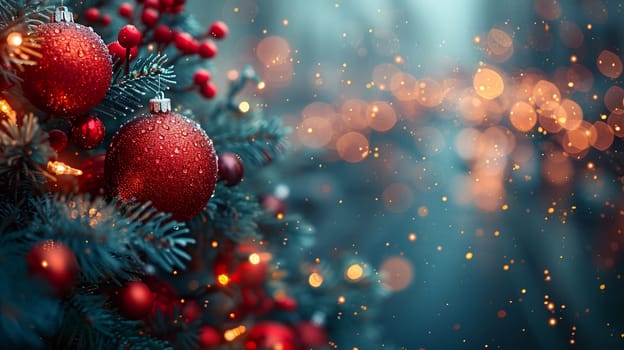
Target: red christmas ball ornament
x=311 y=335
x=164 y=158
x=244 y=265
x=74 y=71
x=106 y=20
x=58 y=140
x=129 y=36
x=92 y=178
x=218 y=30
x=270 y=335
x=208 y=337
x=55 y=263
x=191 y=311
x=230 y=168
x=135 y=300
x=208 y=49
x=88 y=132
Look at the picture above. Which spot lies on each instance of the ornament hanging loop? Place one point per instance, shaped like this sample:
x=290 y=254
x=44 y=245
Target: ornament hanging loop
x=62 y=14
x=160 y=104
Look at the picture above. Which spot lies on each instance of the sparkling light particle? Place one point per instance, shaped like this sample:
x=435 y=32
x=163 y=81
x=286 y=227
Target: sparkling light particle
x=15 y=39
x=354 y=272
x=315 y=279
x=254 y=258
x=244 y=106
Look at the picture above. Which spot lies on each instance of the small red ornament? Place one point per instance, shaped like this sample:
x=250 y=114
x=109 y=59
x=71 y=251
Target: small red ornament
x=106 y=20
x=270 y=335
x=208 y=90
x=191 y=311
x=58 y=140
x=54 y=262
x=201 y=77
x=152 y=3
x=230 y=168
x=88 y=132
x=164 y=158
x=208 y=49
x=135 y=300
x=75 y=69
x=218 y=30
x=92 y=178
x=244 y=265
x=129 y=36
x=208 y=337
x=311 y=335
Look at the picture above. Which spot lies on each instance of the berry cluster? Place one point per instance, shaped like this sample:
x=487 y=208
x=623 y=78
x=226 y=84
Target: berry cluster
x=149 y=23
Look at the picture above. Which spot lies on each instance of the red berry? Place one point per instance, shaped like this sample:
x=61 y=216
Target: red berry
x=106 y=20
x=126 y=10
x=208 y=90
x=155 y=4
x=58 y=140
x=135 y=300
x=150 y=17
x=201 y=77
x=163 y=34
x=88 y=132
x=166 y=3
x=119 y=53
x=129 y=36
x=218 y=30
x=186 y=43
x=92 y=14
x=231 y=168
x=208 y=49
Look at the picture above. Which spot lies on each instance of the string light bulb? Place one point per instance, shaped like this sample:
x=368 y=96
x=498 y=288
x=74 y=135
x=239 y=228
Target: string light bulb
x=60 y=168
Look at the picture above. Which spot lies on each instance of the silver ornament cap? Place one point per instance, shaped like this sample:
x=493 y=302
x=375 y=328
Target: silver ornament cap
x=160 y=104
x=62 y=14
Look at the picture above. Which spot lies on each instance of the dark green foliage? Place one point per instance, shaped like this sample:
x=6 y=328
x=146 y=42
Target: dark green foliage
x=107 y=243
x=89 y=323
x=128 y=93
x=24 y=155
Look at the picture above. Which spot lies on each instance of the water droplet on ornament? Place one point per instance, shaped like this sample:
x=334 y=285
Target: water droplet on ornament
x=80 y=53
x=165 y=126
x=157 y=161
x=158 y=121
x=201 y=171
x=184 y=133
x=176 y=150
x=143 y=131
x=185 y=171
x=161 y=137
x=57 y=31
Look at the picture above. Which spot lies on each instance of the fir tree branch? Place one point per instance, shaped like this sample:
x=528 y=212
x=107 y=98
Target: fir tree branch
x=128 y=92
x=89 y=323
x=24 y=155
x=256 y=141
x=109 y=244
x=230 y=212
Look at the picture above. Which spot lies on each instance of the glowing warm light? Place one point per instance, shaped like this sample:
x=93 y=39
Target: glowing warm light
x=412 y=237
x=488 y=83
x=469 y=255
x=352 y=147
x=552 y=321
x=315 y=132
x=60 y=168
x=44 y=263
x=244 y=106
x=7 y=110
x=603 y=136
x=499 y=45
x=254 y=258
x=273 y=50
x=382 y=116
x=15 y=39
x=232 y=334
x=354 y=272
x=609 y=64
x=261 y=85
x=341 y=299
x=223 y=279
x=546 y=95
x=522 y=116
x=315 y=280
x=397 y=273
